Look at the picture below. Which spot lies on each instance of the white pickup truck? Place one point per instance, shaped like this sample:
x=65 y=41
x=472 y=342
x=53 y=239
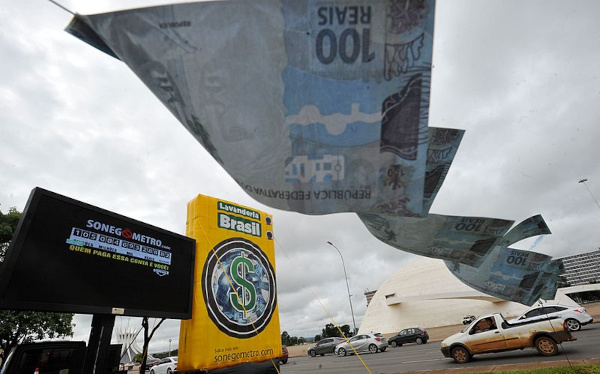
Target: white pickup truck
x=491 y=333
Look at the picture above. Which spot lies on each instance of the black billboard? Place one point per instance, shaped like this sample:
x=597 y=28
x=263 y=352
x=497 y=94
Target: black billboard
x=69 y=256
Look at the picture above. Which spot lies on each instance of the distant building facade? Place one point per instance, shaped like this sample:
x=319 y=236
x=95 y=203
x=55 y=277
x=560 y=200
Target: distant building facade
x=583 y=268
x=369 y=295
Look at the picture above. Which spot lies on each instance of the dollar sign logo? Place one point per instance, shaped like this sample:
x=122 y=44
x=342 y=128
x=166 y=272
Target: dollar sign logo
x=245 y=300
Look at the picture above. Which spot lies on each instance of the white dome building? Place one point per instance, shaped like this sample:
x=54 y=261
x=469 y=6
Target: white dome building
x=425 y=293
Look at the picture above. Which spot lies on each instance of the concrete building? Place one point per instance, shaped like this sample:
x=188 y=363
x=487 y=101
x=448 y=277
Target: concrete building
x=425 y=293
x=369 y=295
x=583 y=268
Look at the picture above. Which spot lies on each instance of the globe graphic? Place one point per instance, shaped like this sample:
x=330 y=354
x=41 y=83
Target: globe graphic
x=223 y=291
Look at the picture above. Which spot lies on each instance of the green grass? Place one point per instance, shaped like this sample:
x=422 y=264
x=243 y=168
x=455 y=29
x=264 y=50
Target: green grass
x=575 y=369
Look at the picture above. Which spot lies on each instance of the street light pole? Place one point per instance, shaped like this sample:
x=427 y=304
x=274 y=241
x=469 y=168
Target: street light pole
x=169 y=347
x=592 y=195
x=347 y=287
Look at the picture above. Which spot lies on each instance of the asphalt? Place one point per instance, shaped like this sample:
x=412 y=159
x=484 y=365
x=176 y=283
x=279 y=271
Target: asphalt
x=440 y=333
x=507 y=367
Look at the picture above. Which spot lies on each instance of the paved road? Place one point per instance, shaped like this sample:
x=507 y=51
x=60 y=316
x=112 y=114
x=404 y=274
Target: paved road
x=409 y=358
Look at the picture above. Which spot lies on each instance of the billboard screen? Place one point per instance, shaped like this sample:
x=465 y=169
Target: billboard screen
x=235 y=317
x=69 y=256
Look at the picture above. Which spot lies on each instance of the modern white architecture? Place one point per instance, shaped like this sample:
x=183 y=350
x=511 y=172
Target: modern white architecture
x=425 y=293
x=127 y=337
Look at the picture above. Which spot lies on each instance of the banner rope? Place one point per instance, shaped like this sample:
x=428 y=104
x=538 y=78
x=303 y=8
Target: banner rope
x=61 y=7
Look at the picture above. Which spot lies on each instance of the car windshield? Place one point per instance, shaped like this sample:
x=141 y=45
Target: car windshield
x=467 y=326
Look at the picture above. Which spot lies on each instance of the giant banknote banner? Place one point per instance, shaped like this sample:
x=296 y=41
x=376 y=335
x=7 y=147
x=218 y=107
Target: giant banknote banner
x=554 y=279
x=466 y=240
x=476 y=251
x=532 y=226
x=513 y=274
x=235 y=318
x=314 y=106
x=442 y=147
x=311 y=106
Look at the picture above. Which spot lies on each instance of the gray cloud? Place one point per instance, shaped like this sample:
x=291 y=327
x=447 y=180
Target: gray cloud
x=519 y=76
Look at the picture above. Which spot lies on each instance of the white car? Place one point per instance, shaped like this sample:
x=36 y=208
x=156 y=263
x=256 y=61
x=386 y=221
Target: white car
x=165 y=366
x=575 y=317
x=362 y=343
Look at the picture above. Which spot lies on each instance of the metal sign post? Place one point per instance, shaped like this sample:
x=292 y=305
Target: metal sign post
x=99 y=342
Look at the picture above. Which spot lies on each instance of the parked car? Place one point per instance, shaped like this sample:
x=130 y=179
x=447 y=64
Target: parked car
x=575 y=317
x=165 y=366
x=468 y=319
x=362 y=343
x=491 y=333
x=284 y=355
x=324 y=346
x=410 y=335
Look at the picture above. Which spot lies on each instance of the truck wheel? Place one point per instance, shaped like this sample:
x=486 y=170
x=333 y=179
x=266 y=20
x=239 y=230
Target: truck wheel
x=546 y=346
x=461 y=355
x=573 y=324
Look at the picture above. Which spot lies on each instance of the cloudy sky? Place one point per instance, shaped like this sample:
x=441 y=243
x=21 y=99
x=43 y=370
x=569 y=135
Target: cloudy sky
x=521 y=77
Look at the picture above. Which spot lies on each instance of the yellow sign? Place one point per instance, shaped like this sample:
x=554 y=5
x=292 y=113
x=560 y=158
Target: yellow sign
x=235 y=318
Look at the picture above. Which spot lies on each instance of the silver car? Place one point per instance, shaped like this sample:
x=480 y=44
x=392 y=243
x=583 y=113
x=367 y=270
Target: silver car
x=324 y=346
x=373 y=342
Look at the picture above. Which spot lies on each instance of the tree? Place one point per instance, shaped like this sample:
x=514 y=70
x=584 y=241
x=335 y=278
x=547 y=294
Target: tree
x=286 y=339
x=147 y=337
x=18 y=327
x=137 y=358
x=331 y=331
x=346 y=330
x=8 y=224
x=317 y=338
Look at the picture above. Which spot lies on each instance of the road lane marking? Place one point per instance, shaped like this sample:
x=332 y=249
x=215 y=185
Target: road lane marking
x=416 y=362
